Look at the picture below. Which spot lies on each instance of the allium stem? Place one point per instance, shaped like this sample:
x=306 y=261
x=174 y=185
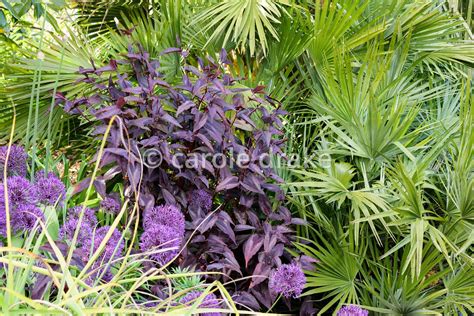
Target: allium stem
x=274 y=303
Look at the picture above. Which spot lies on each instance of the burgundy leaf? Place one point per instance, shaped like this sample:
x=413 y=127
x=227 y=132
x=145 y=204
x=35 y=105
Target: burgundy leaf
x=201 y=121
x=251 y=247
x=184 y=107
x=228 y=183
x=171 y=50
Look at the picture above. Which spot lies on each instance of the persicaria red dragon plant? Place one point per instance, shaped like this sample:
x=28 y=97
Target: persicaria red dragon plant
x=235 y=219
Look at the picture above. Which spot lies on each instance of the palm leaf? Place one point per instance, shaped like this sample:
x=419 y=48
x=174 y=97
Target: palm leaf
x=242 y=21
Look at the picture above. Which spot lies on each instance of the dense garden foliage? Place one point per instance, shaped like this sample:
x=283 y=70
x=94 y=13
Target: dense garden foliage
x=236 y=157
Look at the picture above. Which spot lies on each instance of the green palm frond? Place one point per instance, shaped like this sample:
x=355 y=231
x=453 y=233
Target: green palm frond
x=335 y=185
x=388 y=290
x=95 y=17
x=337 y=24
x=153 y=32
x=437 y=36
x=374 y=110
x=336 y=276
x=31 y=81
x=242 y=22
x=421 y=222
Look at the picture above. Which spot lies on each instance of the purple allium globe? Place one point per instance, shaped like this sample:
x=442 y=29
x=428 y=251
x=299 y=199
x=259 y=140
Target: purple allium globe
x=210 y=301
x=101 y=271
x=21 y=191
x=200 y=199
x=158 y=237
x=352 y=310
x=50 y=190
x=3 y=221
x=16 y=161
x=2 y=195
x=69 y=227
x=111 y=251
x=88 y=223
x=88 y=217
x=288 y=280
x=3 y=214
x=110 y=205
x=167 y=215
x=1 y=254
x=26 y=216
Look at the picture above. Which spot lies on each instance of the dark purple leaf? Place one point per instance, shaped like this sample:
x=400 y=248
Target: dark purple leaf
x=251 y=247
x=184 y=107
x=228 y=183
x=171 y=50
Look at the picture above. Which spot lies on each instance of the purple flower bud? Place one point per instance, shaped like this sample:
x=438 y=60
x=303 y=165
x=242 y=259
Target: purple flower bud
x=200 y=199
x=167 y=215
x=21 y=191
x=26 y=216
x=210 y=301
x=352 y=310
x=288 y=280
x=16 y=161
x=163 y=237
x=50 y=190
x=110 y=205
x=111 y=250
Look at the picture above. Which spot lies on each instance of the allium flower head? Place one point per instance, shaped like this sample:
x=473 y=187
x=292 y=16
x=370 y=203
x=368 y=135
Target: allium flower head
x=110 y=205
x=3 y=221
x=158 y=237
x=111 y=247
x=22 y=217
x=288 y=280
x=88 y=217
x=200 y=199
x=88 y=223
x=210 y=301
x=2 y=195
x=101 y=271
x=352 y=310
x=167 y=215
x=2 y=198
x=26 y=216
x=50 y=190
x=16 y=161
x=69 y=227
x=3 y=214
x=1 y=264
x=21 y=191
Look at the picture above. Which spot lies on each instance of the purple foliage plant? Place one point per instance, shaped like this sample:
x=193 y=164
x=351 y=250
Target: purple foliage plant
x=203 y=145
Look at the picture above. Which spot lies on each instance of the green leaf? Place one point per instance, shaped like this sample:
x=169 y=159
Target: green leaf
x=22 y=9
x=39 y=9
x=3 y=19
x=51 y=221
x=9 y=7
x=242 y=21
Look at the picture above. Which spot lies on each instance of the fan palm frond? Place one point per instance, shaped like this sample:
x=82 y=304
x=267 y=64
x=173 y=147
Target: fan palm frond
x=31 y=81
x=242 y=21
